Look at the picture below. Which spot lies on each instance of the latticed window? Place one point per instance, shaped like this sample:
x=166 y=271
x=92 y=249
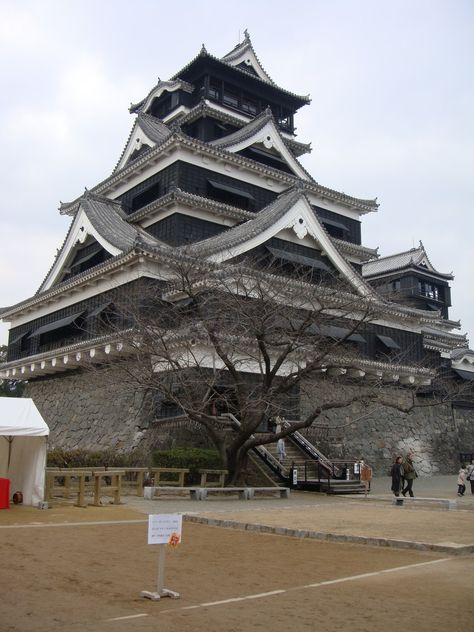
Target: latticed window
x=429 y=290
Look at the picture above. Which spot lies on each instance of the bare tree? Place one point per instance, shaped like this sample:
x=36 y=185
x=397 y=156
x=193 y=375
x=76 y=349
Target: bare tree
x=231 y=346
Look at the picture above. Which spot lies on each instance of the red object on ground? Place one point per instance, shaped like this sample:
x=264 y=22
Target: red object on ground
x=4 y=493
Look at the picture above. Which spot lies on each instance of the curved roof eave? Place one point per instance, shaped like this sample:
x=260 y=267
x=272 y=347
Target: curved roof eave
x=205 y=107
x=362 y=206
x=243 y=49
x=157 y=91
x=304 y=99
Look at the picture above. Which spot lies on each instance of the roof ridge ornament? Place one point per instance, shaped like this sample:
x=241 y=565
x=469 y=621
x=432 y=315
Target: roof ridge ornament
x=175 y=127
x=203 y=50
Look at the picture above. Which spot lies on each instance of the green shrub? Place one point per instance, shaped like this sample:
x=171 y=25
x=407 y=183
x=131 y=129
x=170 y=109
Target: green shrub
x=194 y=459
x=96 y=458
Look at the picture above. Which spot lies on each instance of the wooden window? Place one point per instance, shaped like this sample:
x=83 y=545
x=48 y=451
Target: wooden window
x=249 y=106
x=214 y=91
x=230 y=98
x=429 y=290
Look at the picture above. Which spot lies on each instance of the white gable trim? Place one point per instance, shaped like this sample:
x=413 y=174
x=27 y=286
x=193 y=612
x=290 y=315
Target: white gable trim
x=301 y=219
x=136 y=140
x=270 y=138
x=162 y=86
x=247 y=57
x=80 y=229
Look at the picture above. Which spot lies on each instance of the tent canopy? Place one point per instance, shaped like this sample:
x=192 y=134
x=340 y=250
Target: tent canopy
x=23 y=436
x=19 y=417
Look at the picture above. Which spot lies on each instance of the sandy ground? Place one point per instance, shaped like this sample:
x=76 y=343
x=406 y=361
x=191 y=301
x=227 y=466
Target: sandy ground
x=83 y=569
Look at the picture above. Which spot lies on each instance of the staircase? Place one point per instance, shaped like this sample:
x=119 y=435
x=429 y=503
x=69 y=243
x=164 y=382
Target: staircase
x=304 y=466
x=314 y=471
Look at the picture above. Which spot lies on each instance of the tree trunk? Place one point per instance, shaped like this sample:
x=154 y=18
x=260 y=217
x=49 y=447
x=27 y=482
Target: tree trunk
x=235 y=461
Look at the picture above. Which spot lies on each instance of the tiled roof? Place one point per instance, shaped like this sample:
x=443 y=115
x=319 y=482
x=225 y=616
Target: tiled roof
x=245 y=132
x=241 y=233
x=205 y=108
x=355 y=249
x=363 y=206
x=241 y=48
x=154 y=128
x=193 y=201
x=162 y=86
x=401 y=260
x=252 y=128
x=107 y=217
x=203 y=53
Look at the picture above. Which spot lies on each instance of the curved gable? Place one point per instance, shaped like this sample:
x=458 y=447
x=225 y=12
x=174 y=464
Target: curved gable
x=290 y=211
x=99 y=219
x=262 y=134
x=244 y=55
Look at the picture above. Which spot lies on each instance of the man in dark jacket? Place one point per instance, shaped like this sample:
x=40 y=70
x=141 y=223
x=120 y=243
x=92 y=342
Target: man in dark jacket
x=409 y=474
x=397 y=476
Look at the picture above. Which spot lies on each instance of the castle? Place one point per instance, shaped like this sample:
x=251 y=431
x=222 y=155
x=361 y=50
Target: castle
x=211 y=168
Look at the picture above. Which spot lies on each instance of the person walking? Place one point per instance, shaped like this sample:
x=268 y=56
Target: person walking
x=462 y=480
x=281 y=449
x=409 y=474
x=365 y=475
x=396 y=473
x=470 y=474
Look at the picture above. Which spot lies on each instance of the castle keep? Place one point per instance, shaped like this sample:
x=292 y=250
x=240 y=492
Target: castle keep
x=212 y=169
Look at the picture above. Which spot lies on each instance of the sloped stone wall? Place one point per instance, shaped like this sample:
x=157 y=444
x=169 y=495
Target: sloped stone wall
x=436 y=434
x=83 y=411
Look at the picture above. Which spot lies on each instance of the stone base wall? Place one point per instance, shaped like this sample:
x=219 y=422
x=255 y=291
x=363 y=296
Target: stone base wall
x=377 y=433
x=83 y=411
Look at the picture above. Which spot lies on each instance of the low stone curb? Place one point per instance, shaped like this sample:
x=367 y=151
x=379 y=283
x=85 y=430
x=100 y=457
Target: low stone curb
x=452 y=549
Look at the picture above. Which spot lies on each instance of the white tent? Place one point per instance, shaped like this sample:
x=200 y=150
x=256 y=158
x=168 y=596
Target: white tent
x=23 y=437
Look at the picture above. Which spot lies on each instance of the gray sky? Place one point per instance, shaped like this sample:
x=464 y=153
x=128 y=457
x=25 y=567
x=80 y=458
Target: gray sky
x=391 y=116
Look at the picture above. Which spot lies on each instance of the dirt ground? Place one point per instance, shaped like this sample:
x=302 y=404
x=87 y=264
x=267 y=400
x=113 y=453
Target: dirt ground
x=72 y=569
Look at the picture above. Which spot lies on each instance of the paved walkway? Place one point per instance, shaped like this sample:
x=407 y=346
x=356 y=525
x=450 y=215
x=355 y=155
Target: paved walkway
x=373 y=520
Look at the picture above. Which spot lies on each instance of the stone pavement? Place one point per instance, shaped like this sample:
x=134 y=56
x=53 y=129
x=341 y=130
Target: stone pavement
x=354 y=519
x=373 y=520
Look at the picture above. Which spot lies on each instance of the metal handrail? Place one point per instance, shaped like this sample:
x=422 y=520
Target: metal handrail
x=310 y=449
x=265 y=454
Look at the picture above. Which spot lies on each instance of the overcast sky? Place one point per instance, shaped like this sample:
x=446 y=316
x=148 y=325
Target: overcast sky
x=391 y=117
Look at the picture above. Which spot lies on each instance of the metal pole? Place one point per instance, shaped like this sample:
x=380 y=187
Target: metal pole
x=161 y=569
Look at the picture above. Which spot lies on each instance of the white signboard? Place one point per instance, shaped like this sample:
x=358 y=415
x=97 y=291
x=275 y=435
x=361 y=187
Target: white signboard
x=165 y=529
x=295 y=476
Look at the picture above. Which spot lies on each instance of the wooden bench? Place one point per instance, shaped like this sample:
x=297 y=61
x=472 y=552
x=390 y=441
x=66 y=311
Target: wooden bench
x=217 y=478
x=448 y=503
x=54 y=488
x=161 y=476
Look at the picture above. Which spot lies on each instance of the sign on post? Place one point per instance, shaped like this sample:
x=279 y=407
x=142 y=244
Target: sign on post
x=163 y=529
